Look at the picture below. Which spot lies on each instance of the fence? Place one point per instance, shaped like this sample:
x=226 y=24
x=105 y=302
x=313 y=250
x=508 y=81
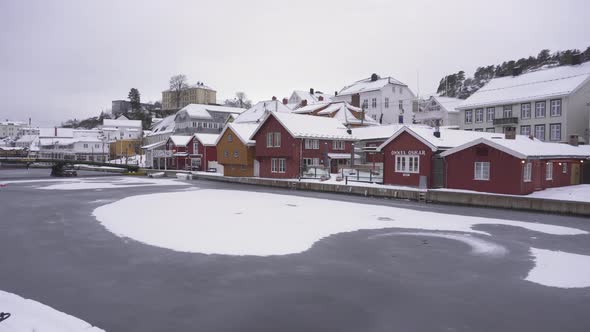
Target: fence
x=315 y=172
x=362 y=175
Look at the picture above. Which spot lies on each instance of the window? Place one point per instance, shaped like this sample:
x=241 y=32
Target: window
x=540 y=132
x=230 y=137
x=407 y=164
x=85 y=146
x=278 y=165
x=564 y=168
x=273 y=140
x=540 y=109
x=195 y=124
x=225 y=153
x=525 y=130
x=312 y=144
x=507 y=111
x=555 y=107
x=400 y=119
x=236 y=154
x=365 y=103
x=549 y=171
x=374 y=103
x=311 y=161
x=527 y=174
x=401 y=105
x=400 y=90
x=482 y=170
x=490 y=130
x=468 y=116
x=525 y=111
x=196 y=148
x=555 y=132
x=479 y=115
x=478 y=129
x=386 y=102
x=490 y=114
x=97 y=146
x=269 y=140
x=277 y=139
x=338 y=145
x=374 y=116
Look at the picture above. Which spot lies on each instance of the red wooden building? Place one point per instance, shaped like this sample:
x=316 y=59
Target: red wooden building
x=512 y=166
x=288 y=144
x=191 y=152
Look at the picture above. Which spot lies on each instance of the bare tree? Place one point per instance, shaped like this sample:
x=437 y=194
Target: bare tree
x=178 y=85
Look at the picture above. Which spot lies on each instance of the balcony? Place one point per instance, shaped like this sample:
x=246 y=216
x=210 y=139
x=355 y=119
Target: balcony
x=505 y=121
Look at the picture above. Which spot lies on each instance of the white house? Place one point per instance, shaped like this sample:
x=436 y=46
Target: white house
x=121 y=128
x=441 y=111
x=551 y=104
x=71 y=144
x=386 y=99
x=11 y=128
x=300 y=98
x=257 y=112
x=201 y=118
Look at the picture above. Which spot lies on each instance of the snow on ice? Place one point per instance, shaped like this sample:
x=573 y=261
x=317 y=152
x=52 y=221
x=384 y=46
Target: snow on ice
x=268 y=224
x=100 y=183
x=28 y=315
x=560 y=269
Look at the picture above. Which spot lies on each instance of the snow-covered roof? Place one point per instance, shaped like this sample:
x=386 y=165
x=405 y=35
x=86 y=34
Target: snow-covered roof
x=27 y=138
x=13 y=123
x=448 y=139
x=376 y=132
x=308 y=126
x=121 y=123
x=448 y=103
x=311 y=108
x=257 y=112
x=167 y=125
x=243 y=130
x=539 y=84
x=180 y=140
x=344 y=114
x=311 y=98
x=57 y=141
x=201 y=111
x=61 y=132
x=367 y=85
x=199 y=85
x=153 y=145
x=524 y=147
x=207 y=139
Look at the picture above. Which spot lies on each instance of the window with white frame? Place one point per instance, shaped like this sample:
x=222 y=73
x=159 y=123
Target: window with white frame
x=491 y=130
x=549 y=171
x=312 y=144
x=555 y=107
x=278 y=165
x=479 y=115
x=365 y=103
x=311 y=161
x=525 y=130
x=540 y=132
x=555 y=132
x=230 y=137
x=407 y=164
x=540 y=109
x=194 y=123
x=564 y=168
x=236 y=154
x=482 y=170
x=386 y=102
x=528 y=172
x=269 y=140
x=468 y=116
x=273 y=140
x=478 y=129
x=401 y=105
x=85 y=146
x=525 y=111
x=277 y=139
x=374 y=102
x=507 y=111
x=225 y=153
x=338 y=145
x=96 y=146
x=490 y=114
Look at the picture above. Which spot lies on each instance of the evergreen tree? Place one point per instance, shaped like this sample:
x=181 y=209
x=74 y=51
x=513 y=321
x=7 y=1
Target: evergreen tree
x=135 y=99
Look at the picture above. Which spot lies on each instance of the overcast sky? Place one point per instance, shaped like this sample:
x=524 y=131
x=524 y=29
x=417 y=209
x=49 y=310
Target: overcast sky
x=65 y=59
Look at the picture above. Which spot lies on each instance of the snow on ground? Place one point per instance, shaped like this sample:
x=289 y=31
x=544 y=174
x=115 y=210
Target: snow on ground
x=478 y=246
x=138 y=160
x=560 y=269
x=579 y=193
x=101 y=183
x=28 y=315
x=265 y=224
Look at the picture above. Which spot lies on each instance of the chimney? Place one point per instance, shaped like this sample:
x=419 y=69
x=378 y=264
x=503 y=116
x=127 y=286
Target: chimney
x=573 y=140
x=274 y=98
x=516 y=71
x=29 y=122
x=374 y=77
x=510 y=133
x=311 y=91
x=304 y=103
x=285 y=101
x=576 y=59
x=321 y=98
x=55 y=131
x=349 y=131
x=335 y=93
x=436 y=129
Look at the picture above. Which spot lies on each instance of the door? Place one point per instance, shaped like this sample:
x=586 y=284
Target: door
x=437 y=172
x=575 y=177
x=256 y=168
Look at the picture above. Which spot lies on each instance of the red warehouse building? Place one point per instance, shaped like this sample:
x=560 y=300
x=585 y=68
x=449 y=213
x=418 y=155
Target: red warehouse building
x=512 y=166
x=287 y=144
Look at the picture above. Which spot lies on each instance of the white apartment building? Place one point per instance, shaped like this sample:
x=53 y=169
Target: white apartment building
x=385 y=100
x=71 y=144
x=11 y=128
x=122 y=128
x=439 y=110
x=551 y=104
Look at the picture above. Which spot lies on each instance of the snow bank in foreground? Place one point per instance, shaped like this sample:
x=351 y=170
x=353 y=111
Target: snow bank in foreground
x=578 y=193
x=478 y=246
x=250 y=223
x=560 y=269
x=29 y=315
